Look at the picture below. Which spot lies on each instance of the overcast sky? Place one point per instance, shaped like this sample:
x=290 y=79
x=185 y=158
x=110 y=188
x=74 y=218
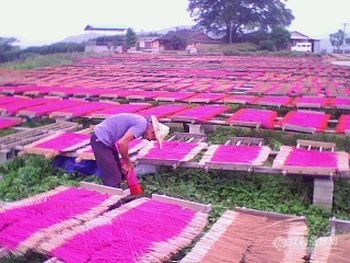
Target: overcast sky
x=47 y=21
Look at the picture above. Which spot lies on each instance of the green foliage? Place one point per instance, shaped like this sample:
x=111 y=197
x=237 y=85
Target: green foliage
x=110 y=40
x=341 y=199
x=12 y=54
x=33 y=123
x=234 y=18
x=280 y=37
x=6 y=44
x=31 y=175
x=337 y=39
x=130 y=38
x=267 y=44
x=227 y=190
x=32 y=61
x=27 y=258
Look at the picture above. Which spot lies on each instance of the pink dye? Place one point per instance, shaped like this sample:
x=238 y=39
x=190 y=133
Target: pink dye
x=122 y=108
x=7 y=100
x=207 y=96
x=202 y=113
x=318 y=120
x=9 y=122
x=129 y=237
x=64 y=141
x=54 y=106
x=162 y=110
x=171 y=151
x=16 y=106
x=236 y=154
x=180 y=96
x=320 y=100
x=344 y=124
x=18 y=224
x=265 y=118
x=134 y=183
x=82 y=109
x=338 y=102
x=303 y=157
x=239 y=99
x=283 y=100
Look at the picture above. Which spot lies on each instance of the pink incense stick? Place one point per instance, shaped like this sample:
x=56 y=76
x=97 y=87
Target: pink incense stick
x=64 y=141
x=18 y=224
x=129 y=236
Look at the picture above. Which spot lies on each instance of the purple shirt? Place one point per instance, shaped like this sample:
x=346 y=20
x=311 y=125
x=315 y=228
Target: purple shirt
x=113 y=128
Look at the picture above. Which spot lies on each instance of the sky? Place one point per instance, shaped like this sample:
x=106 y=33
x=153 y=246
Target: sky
x=37 y=22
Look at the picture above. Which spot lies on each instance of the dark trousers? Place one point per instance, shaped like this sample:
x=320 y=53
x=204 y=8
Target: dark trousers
x=108 y=162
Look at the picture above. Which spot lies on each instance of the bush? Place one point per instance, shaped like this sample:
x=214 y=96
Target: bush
x=42 y=50
x=268 y=44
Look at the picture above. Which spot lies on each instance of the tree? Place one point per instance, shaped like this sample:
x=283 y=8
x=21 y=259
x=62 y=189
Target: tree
x=233 y=18
x=130 y=38
x=337 y=39
x=6 y=44
x=280 y=36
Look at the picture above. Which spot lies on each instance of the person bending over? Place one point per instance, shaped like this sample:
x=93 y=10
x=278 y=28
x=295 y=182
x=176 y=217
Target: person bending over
x=111 y=138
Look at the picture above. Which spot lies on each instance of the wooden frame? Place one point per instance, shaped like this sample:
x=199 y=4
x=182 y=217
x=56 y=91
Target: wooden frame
x=185 y=203
x=50 y=153
x=89 y=186
x=292 y=127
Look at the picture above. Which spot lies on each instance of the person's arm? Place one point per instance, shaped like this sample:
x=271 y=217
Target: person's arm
x=123 y=146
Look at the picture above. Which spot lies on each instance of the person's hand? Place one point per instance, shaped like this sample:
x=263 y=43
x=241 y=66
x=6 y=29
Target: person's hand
x=127 y=167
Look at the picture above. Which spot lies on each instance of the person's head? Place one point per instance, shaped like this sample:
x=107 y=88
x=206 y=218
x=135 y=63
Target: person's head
x=149 y=134
x=156 y=131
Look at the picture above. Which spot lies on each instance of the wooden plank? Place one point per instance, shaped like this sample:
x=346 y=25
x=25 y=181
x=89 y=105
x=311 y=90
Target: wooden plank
x=324 y=145
x=339 y=226
x=290 y=127
x=310 y=170
x=246 y=141
x=104 y=189
x=245 y=124
x=267 y=214
x=185 y=203
x=229 y=166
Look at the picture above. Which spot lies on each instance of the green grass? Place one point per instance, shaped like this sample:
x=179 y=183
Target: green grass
x=227 y=48
x=7 y=132
x=31 y=175
x=40 y=61
x=227 y=190
x=223 y=189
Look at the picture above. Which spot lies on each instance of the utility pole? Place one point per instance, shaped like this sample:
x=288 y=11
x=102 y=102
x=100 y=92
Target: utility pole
x=344 y=40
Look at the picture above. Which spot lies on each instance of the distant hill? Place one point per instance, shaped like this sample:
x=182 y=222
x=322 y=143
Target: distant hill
x=87 y=36
x=81 y=38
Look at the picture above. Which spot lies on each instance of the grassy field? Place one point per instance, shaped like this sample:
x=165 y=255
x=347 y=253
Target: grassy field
x=39 y=61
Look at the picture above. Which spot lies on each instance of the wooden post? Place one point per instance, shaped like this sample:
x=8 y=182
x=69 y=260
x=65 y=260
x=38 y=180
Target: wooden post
x=3 y=156
x=323 y=193
x=196 y=129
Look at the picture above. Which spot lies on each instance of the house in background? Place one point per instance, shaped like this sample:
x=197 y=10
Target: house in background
x=109 y=39
x=182 y=39
x=303 y=43
x=146 y=43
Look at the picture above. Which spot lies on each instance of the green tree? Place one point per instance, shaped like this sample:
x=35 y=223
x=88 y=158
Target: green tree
x=6 y=44
x=236 y=17
x=130 y=38
x=280 y=36
x=337 y=39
